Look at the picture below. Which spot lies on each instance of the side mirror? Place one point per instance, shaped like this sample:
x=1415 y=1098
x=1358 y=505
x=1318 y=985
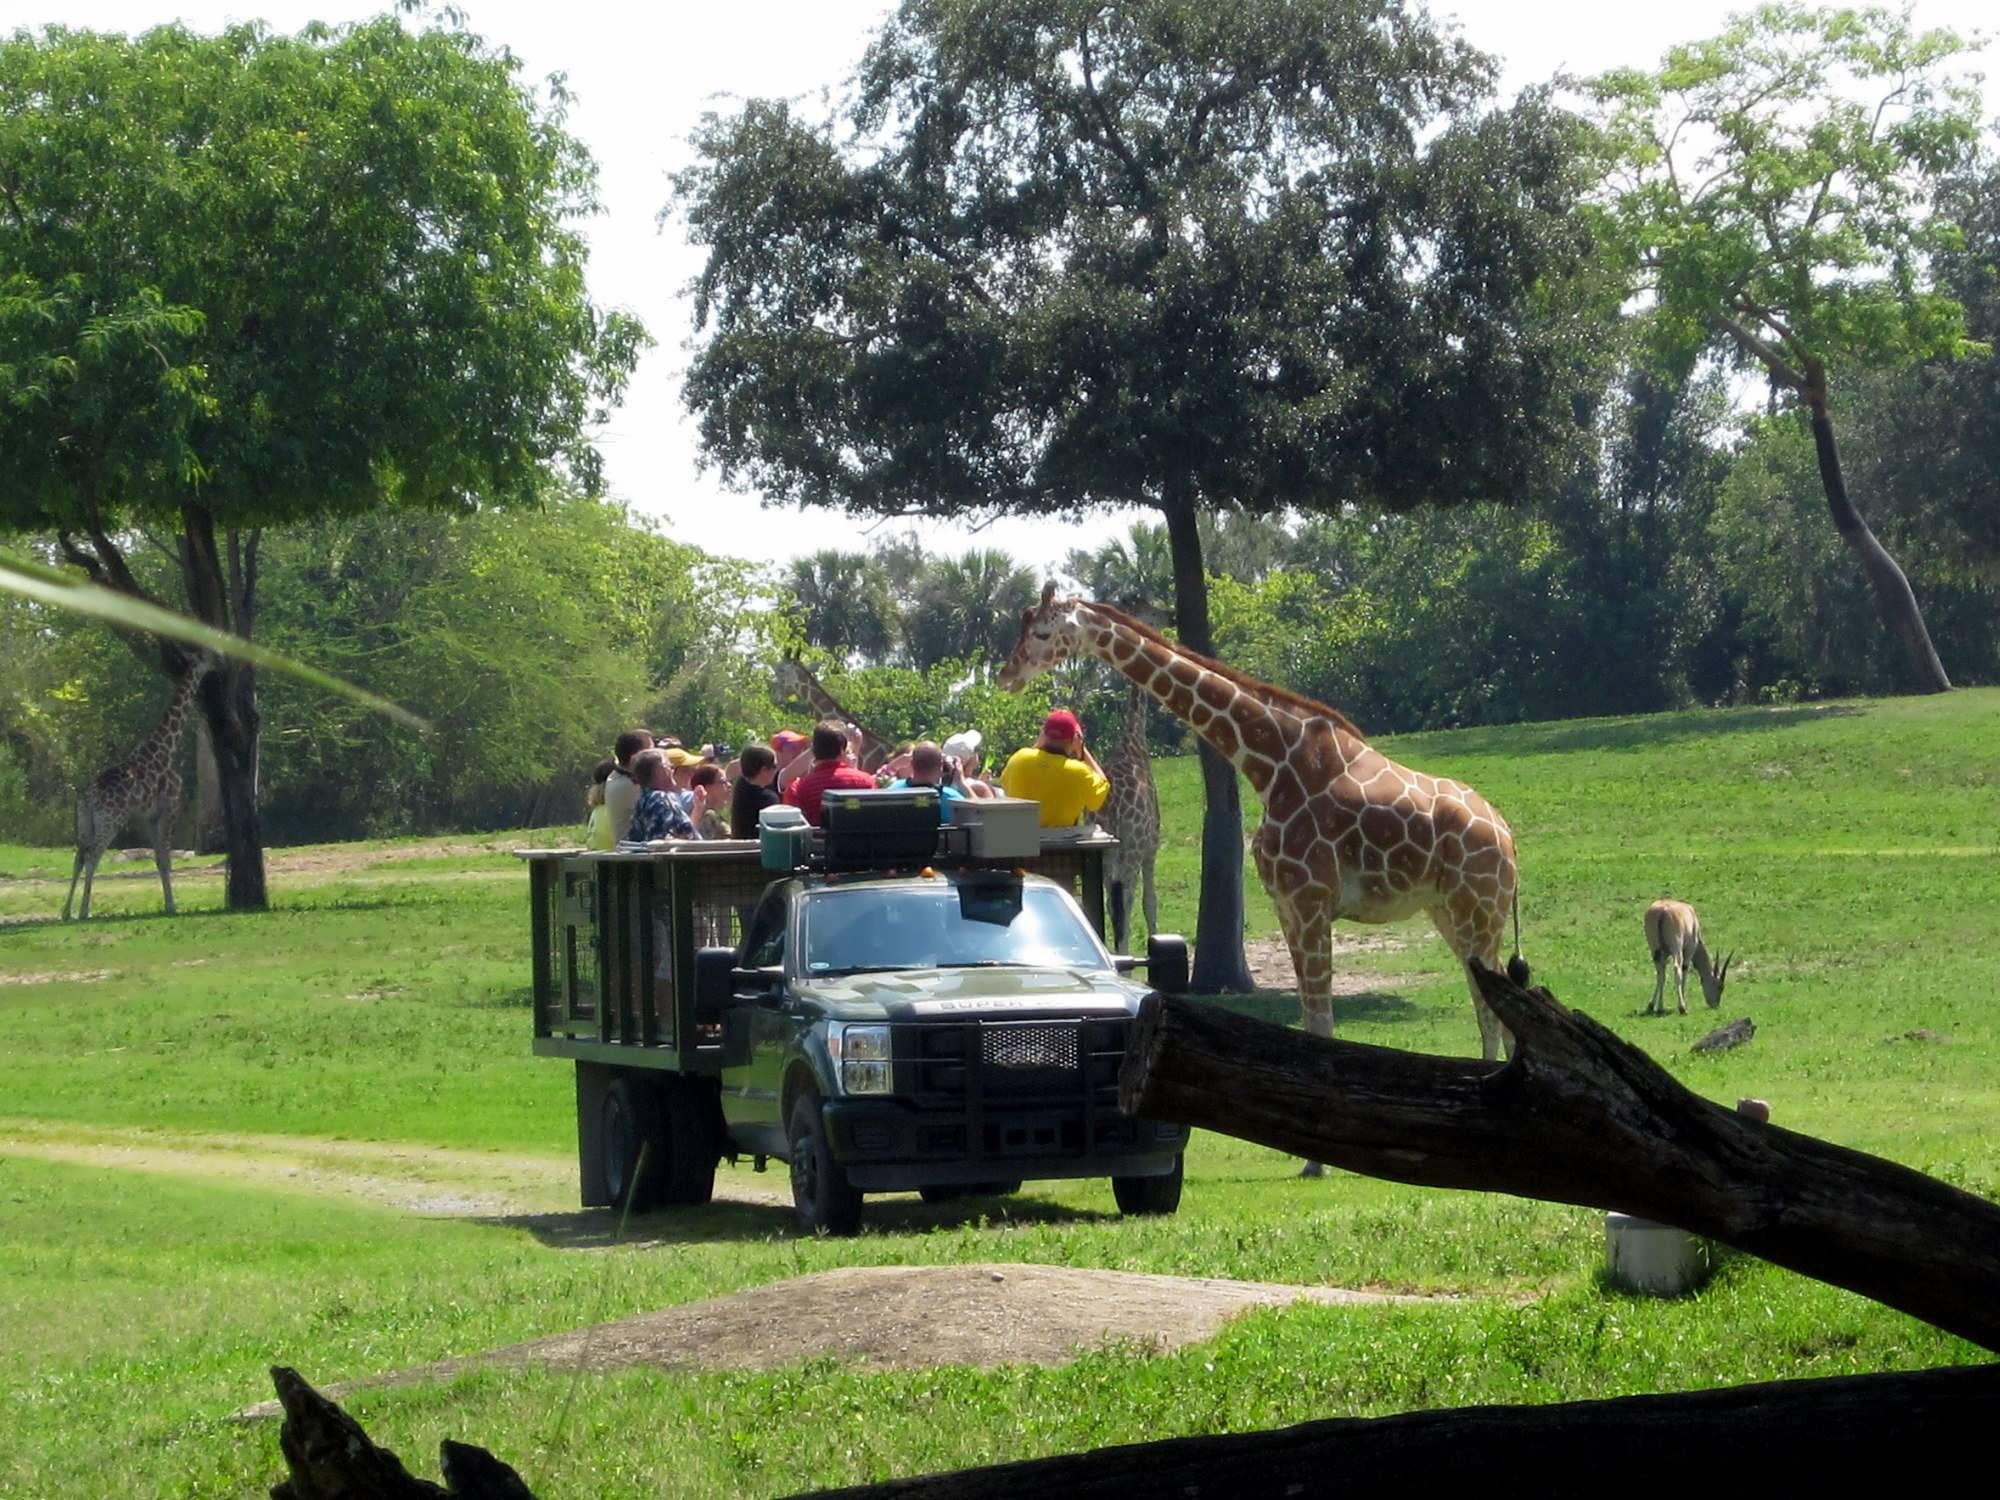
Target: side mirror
x=714 y=977
x=1167 y=963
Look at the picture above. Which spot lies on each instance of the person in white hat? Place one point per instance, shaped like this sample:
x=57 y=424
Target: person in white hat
x=963 y=749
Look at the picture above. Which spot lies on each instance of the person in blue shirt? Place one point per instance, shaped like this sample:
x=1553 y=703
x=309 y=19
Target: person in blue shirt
x=659 y=814
x=928 y=767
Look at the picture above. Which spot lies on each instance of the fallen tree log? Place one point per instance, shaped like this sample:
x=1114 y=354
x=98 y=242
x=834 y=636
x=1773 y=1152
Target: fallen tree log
x=329 y=1457
x=1793 y=1436
x=1577 y=1116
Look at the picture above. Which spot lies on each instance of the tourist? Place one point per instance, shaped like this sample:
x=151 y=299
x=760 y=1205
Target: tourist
x=597 y=832
x=830 y=772
x=964 y=749
x=794 y=755
x=755 y=790
x=621 y=789
x=1059 y=772
x=711 y=800
x=658 y=814
x=927 y=768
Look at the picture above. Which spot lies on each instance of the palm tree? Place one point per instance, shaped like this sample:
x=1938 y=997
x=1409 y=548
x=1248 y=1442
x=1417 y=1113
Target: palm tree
x=969 y=606
x=1138 y=569
x=847 y=604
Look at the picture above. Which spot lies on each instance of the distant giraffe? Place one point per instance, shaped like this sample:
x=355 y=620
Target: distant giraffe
x=1132 y=816
x=1347 y=833
x=146 y=779
x=795 y=683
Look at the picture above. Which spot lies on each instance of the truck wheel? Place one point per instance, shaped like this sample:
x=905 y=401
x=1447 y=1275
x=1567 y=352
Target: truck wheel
x=692 y=1146
x=1149 y=1195
x=825 y=1201
x=630 y=1119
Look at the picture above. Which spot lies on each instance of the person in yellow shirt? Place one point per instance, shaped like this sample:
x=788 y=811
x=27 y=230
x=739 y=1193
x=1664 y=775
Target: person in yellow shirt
x=1059 y=772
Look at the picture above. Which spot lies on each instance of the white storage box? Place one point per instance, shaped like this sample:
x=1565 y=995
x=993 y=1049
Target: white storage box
x=1000 y=827
x=1643 y=1256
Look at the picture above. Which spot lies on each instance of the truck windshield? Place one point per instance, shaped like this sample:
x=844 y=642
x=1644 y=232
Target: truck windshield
x=945 y=926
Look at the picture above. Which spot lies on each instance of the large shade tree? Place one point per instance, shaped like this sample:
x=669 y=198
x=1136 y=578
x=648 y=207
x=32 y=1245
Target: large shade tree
x=1057 y=254
x=1775 y=188
x=250 y=279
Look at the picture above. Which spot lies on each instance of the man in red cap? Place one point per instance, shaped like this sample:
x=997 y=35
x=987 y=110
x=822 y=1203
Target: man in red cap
x=1058 y=772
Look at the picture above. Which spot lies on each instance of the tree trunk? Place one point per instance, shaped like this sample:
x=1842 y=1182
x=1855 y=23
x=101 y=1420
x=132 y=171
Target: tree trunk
x=1793 y=1437
x=1892 y=590
x=1220 y=966
x=223 y=594
x=1577 y=1116
x=208 y=834
x=228 y=702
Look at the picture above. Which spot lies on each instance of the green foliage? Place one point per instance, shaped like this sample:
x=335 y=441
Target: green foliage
x=1061 y=254
x=282 y=276
x=527 y=638
x=1773 y=188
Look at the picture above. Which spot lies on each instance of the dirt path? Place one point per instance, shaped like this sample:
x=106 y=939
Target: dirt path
x=901 y=1318
x=433 y=1181
x=1271 y=963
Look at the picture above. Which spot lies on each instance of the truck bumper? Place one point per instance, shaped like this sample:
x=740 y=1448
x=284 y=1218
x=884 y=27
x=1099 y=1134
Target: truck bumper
x=887 y=1146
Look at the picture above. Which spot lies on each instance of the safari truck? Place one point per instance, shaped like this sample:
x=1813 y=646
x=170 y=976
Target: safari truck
x=885 y=1007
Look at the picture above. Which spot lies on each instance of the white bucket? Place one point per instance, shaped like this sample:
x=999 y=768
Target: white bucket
x=1658 y=1259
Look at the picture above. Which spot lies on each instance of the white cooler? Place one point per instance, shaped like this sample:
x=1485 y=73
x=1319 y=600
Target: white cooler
x=1000 y=827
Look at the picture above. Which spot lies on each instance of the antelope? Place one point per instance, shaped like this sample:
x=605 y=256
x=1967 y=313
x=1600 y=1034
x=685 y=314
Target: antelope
x=1673 y=932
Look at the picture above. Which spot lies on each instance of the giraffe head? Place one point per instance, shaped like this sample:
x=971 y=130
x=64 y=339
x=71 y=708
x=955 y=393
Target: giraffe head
x=1051 y=633
x=790 y=684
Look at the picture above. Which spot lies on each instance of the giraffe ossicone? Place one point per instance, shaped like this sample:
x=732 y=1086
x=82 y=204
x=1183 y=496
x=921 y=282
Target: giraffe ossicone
x=1347 y=833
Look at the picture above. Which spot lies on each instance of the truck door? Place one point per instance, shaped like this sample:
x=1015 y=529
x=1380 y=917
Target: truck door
x=757 y=1027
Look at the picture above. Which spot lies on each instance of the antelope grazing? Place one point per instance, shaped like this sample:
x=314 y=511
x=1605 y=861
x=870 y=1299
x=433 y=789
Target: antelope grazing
x=1673 y=932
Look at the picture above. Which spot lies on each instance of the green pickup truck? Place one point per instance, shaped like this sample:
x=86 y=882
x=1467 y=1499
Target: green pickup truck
x=949 y=1029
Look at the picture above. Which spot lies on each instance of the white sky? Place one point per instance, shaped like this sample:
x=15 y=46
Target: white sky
x=643 y=73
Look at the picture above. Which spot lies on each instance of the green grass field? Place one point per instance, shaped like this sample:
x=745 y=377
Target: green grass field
x=221 y=1138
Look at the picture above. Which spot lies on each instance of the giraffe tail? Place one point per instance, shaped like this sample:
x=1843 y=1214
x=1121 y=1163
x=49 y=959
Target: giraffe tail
x=1517 y=966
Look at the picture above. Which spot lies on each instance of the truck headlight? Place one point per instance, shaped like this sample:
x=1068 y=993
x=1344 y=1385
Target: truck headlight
x=865 y=1060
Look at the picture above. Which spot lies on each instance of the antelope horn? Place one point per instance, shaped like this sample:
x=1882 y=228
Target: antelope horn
x=1723 y=972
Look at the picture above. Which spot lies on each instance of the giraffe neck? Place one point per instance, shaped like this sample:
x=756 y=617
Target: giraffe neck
x=165 y=737
x=1249 y=732
x=827 y=706
x=1132 y=733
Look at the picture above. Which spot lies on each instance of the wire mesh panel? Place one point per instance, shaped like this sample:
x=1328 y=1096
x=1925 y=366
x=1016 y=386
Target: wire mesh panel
x=1028 y=1046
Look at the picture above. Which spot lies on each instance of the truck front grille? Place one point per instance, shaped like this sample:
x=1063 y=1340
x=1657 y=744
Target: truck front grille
x=1028 y=1046
x=1054 y=1061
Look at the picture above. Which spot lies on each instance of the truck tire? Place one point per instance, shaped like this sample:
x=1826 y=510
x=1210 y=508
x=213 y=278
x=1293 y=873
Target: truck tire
x=1149 y=1195
x=692 y=1145
x=630 y=1124
x=825 y=1201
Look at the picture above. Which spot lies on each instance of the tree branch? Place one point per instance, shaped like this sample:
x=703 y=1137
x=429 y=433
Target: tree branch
x=1773 y=360
x=1110 y=137
x=1577 y=1116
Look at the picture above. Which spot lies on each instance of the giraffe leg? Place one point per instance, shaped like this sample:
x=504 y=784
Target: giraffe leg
x=1472 y=930
x=1151 y=902
x=1118 y=895
x=163 y=854
x=75 y=871
x=89 y=874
